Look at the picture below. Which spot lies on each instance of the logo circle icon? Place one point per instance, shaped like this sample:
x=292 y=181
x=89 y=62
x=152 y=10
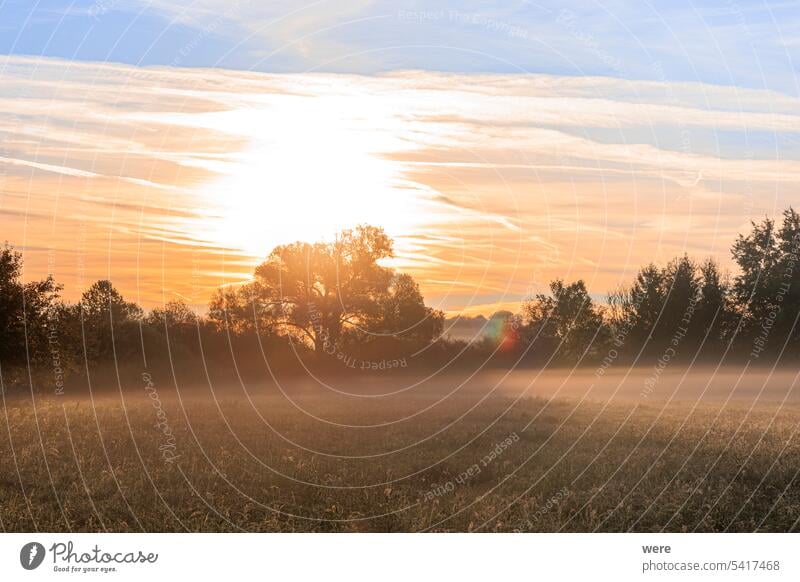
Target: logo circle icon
x=31 y=555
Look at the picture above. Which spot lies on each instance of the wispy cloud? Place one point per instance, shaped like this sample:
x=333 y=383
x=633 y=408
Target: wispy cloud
x=183 y=179
x=743 y=43
x=738 y=43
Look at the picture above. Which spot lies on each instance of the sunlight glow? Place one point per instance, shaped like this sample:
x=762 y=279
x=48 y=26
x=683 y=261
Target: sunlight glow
x=173 y=182
x=311 y=170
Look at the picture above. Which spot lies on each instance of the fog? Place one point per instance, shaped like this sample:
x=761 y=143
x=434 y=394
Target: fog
x=676 y=384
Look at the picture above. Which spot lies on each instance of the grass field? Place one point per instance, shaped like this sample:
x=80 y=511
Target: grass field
x=326 y=462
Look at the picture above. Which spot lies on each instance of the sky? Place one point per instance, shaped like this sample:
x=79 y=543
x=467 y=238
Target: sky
x=170 y=146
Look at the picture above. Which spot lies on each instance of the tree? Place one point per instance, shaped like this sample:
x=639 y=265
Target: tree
x=754 y=288
x=320 y=293
x=235 y=310
x=42 y=312
x=175 y=322
x=173 y=314
x=569 y=317
x=681 y=295
x=11 y=323
x=659 y=311
x=106 y=320
x=400 y=312
x=27 y=311
x=314 y=291
x=713 y=316
x=636 y=309
x=102 y=301
x=767 y=289
x=788 y=275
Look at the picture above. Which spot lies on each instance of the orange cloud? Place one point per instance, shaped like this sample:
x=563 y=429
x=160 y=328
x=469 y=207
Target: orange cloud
x=175 y=181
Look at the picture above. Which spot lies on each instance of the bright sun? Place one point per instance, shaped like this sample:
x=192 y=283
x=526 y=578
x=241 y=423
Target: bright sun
x=310 y=171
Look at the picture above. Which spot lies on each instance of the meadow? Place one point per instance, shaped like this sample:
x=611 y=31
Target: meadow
x=263 y=458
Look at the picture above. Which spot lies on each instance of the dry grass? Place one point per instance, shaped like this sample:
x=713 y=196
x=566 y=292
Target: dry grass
x=74 y=465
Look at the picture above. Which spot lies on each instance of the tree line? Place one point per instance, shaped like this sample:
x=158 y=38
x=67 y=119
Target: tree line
x=335 y=303
x=686 y=309
x=314 y=302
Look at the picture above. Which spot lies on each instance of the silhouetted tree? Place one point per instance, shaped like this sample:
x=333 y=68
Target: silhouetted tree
x=658 y=310
x=788 y=274
x=339 y=294
x=637 y=308
x=676 y=323
x=109 y=323
x=713 y=316
x=173 y=314
x=317 y=292
x=27 y=311
x=766 y=291
x=754 y=288
x=567 y=318
x=237 y=310
x=400 y=312
x=177 y=324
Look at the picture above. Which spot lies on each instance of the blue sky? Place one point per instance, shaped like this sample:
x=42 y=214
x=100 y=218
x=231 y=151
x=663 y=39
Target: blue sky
x=752 y=44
